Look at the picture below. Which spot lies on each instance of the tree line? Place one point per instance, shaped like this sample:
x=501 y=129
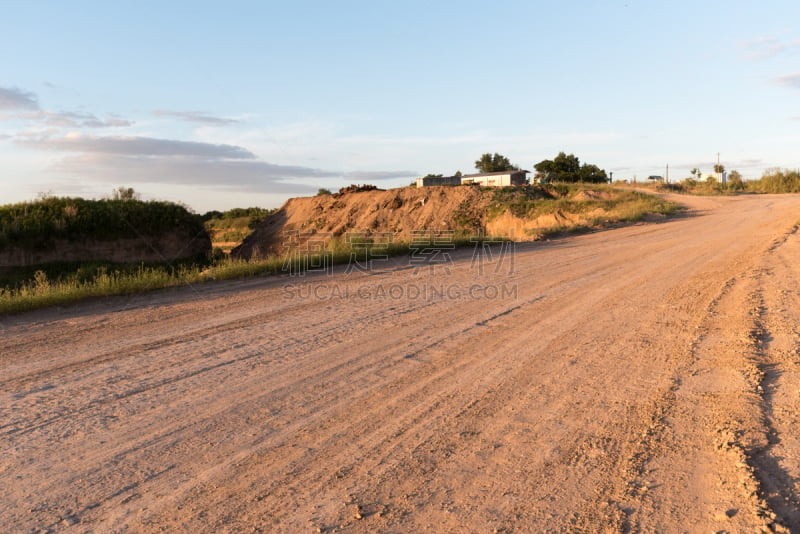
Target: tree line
x=562 y=168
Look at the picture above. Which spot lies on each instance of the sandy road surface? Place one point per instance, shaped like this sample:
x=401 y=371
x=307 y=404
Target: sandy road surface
x=641 y=379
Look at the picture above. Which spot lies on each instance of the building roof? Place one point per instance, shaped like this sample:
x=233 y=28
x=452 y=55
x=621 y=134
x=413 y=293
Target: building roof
x=494 y=173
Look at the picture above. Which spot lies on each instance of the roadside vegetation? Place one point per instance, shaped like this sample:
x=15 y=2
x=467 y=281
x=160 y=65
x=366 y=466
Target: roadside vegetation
x=35 y=288
x=776 y=181
x=39 y=223
x=228 y=229
x=587 y=206
x=773 y=181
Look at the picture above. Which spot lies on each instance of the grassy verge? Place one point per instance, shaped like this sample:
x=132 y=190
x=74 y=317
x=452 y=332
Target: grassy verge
x=588 y=205
x=40 y=291
x=228 y=229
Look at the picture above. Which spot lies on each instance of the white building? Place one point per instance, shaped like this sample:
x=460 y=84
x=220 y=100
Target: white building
x=497 y=179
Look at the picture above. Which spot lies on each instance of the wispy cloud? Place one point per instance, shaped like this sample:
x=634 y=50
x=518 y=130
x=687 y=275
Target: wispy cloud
x=19 y=105
x=764 y=48
x=214 y=163
x=789 y=80
x=71 y=119
x=748 y=163
x=254 y=176
x=363 y=176
x=201 y=117
x=13 y=99
x=135 y=146
x=205 y=165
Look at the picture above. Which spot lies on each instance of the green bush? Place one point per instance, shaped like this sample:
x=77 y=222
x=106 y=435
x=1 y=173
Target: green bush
x=776 y=181
x=38 y=223
x=235 y=224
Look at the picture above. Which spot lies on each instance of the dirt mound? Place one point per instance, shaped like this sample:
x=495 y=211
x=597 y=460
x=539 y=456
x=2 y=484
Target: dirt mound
x=397 y=211
x=308 y=224
x=523 y=229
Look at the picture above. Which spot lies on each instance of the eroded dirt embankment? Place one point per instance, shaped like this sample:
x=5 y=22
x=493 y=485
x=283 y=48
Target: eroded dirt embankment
x=167 y=247
x=399 y=212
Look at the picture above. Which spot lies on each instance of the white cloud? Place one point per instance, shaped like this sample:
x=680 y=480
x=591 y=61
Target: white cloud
x=789 y=80
x=123 y=159
x=364 y=176
x=12 y=99
x=69 y=119
x=764 y=48
x=256 y=176
x=19 y=105
x=130 y=146
x=200 y=117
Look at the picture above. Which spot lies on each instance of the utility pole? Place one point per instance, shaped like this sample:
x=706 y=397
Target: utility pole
x=719 y=178
x=666 y=177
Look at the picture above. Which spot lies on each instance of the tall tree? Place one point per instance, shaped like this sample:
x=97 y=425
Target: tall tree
x=592 y=174
x=125 y=193
x=567 y=168
x=494 y=163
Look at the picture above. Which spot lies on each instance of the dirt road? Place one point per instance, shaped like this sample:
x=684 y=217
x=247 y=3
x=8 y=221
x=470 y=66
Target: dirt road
x=645 y=378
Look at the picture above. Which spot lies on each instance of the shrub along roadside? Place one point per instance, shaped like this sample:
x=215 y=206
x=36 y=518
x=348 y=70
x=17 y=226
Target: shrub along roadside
x=594 y=205
x=232 y=226
x=37 y=224
x=775 y=181
x=40 y=291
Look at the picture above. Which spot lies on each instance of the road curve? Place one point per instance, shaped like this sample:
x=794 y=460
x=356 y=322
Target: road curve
x=643 y=378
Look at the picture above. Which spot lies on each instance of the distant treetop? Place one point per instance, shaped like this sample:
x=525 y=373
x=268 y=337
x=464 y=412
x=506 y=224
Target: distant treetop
x=567 y=168
x=494 y=163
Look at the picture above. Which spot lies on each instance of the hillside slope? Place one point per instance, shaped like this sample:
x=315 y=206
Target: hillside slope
x=518 y=213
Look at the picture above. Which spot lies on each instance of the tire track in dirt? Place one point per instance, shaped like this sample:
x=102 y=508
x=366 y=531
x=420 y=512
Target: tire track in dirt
x=410 y=398
x=776 y=337
x=734 y=414
x=621 y=353
x=446 y=448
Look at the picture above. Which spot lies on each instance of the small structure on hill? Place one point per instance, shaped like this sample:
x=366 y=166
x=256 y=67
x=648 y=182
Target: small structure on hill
x=489 y=179
x=428 y=181
x=497 y=179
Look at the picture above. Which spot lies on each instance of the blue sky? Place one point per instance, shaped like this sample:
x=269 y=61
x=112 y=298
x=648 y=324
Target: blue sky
x=219 y=105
